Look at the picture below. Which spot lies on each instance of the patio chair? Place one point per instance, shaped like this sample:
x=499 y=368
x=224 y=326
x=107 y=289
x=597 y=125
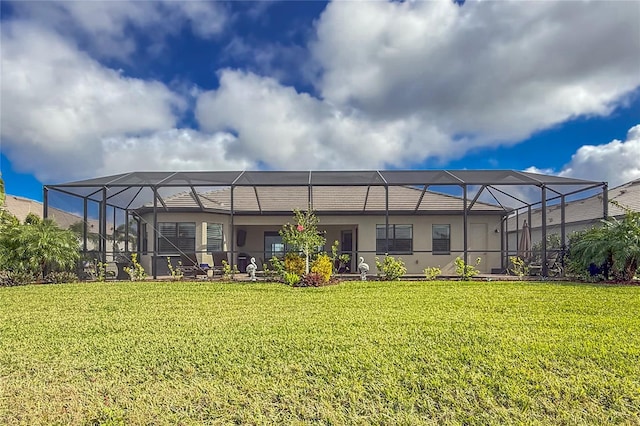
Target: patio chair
x=218 y=258
x=190 y=265
x=554 y=266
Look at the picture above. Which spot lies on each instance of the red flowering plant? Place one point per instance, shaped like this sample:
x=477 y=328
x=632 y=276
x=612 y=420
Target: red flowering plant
x=303 y=237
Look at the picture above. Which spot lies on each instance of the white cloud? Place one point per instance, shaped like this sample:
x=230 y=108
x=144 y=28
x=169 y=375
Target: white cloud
x=616 y=162
x=497 y=71
x=58 y=103
x=175 y=149
x=400 y=82
x=284 y=129
x=106 y=26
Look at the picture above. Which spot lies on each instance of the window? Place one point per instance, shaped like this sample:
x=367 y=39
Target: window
x=441 y=236
x=214 y=237
x=400 y=239
x=273 y=245
x=176 y=237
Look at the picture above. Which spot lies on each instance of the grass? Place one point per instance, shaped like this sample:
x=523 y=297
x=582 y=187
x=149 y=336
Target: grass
x=357 y=353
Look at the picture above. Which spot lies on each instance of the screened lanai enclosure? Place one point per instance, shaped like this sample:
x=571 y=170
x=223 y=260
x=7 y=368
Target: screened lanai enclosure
x=426 y=217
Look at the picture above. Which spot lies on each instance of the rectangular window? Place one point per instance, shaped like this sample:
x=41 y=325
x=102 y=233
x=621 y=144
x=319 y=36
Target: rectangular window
x=441 y=239
x=176 y=237
x=273 y=245
x=400 y=239
x=214 y=237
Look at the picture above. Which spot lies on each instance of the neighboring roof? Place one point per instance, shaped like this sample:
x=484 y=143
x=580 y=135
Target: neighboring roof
x=342 y=199
x=586 y=210
x=121 y=190
x=20 y=207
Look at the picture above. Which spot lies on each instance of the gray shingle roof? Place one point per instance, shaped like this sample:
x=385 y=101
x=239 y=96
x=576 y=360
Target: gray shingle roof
x=348 y=199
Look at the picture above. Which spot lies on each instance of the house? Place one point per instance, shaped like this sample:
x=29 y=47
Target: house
x=426 y=217
x=578 y=215
x=425 y=228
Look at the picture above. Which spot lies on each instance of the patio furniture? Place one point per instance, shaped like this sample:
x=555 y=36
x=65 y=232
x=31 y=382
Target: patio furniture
x=191 y=267
x=218 y=258
x=554 y=266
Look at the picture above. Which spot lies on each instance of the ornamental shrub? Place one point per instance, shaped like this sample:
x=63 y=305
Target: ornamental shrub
x=294 y=263
x=15 y=278
x=518 y=267
x=323 y=267
x=390 y=269
x=136 y=272
x=432 y=272
x=60 y=277
x=291 y=278
x=177 y=273
x=312 y=279
x=466 y=272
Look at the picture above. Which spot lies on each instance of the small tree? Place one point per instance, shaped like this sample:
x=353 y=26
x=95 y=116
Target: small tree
x=303 y=236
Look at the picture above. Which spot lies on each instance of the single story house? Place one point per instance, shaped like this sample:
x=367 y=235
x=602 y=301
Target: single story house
x=426 y=217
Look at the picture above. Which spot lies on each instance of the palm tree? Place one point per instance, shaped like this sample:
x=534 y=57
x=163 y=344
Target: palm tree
x=44 y=245
x=616 y=243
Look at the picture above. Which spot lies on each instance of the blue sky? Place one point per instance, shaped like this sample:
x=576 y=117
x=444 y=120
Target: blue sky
x=98 y=88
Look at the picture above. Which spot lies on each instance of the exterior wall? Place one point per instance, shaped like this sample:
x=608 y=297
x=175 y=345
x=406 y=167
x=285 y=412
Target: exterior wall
x=483 y=241
x=422 y=241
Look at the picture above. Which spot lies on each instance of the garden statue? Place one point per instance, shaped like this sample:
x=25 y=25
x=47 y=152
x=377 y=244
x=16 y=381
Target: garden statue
x=363 y=268
x=252 y=268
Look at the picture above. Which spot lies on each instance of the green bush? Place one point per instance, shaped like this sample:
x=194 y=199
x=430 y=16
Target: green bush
x=323 y=267
x=136 y=271
x=466 y=272
x=432 y=272
x=291 y=278
x=37 y=246
x=615 y=244
x=228 y=271
x=60 y=277
x=177 y=273
x=518 y=267
x=15 y=278
x=391 y=269
x=294 y=263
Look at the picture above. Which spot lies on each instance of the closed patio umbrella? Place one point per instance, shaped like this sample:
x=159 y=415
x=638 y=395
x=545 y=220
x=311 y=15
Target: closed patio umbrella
x=524 y=246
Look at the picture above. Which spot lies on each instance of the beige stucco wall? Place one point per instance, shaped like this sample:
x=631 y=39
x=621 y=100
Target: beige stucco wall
x=481 y=236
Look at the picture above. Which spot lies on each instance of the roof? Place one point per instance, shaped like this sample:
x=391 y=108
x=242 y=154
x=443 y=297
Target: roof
x=20 y=207
x=121 y=190
x=588 y=210
x=335 y=200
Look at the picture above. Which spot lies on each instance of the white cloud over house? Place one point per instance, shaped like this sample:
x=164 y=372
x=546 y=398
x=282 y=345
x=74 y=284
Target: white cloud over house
x=616 y=162
x=58 y=103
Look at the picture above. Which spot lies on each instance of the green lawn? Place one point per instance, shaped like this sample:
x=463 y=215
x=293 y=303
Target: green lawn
x=356 y=353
